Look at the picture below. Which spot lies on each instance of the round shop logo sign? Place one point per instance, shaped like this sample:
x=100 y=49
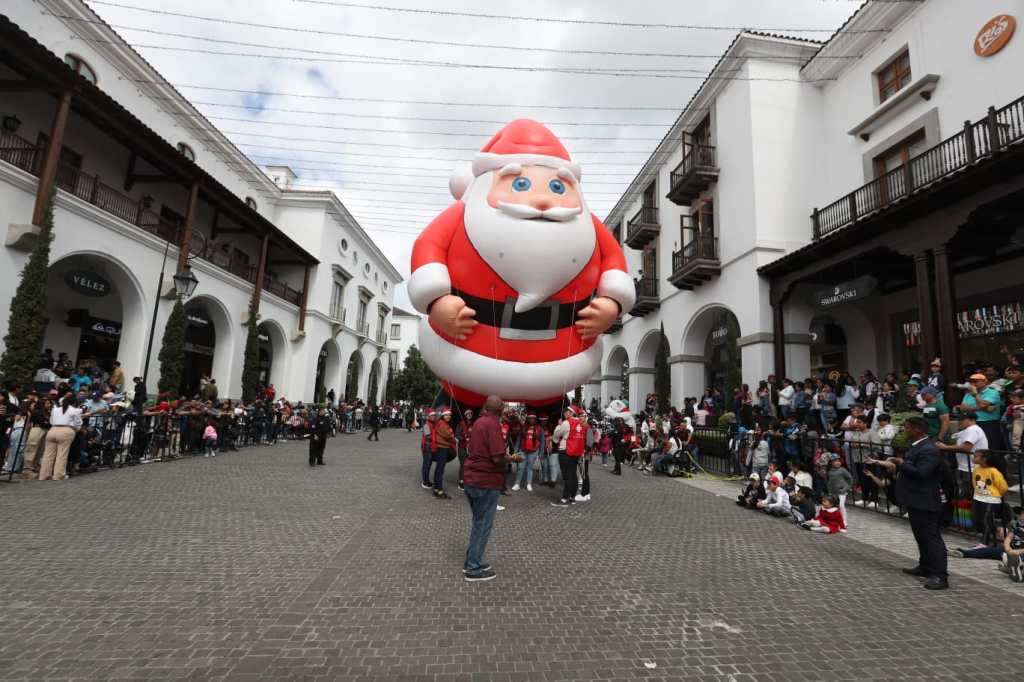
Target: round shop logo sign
x=994 y=35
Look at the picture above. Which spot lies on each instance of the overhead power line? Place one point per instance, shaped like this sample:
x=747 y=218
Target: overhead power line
x=425 y=41
x=359 y=166
x=558 y=20
x=268 y=93
x=434 y=119
x=376 y=61
x=392 y=131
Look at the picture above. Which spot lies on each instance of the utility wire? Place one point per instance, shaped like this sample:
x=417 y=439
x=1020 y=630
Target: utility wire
x=437 y=119
x=577 y=71
x=266 y=93
x=555 y=20
x=424 y=41
x=359 y=167
x=392 y=131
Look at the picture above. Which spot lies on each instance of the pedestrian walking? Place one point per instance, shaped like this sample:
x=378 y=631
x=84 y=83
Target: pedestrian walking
x=374 y=421
x=917 y=487
x=484 y=476
x=319 y=429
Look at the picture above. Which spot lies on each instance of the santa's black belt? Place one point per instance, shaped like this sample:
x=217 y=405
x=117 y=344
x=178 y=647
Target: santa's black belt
x=548 y=316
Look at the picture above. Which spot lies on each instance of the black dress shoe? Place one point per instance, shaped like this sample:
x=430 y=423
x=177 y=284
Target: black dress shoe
x=936 y=583
x=916 y=570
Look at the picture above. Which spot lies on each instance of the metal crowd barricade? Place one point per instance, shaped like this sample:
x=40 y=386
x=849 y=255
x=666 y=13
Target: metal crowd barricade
x=118 y=439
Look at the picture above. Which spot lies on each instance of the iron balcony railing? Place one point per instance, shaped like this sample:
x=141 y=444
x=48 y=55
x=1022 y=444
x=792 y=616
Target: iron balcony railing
x=1000 y=129
x=701 y=247
x=647 y=216
x=647 y=287
x=696 y=156
x=19 y=152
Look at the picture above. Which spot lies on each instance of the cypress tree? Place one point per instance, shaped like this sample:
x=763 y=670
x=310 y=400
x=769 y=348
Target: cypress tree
x=662 y=377
x=251 y=361
x=26 y=325
x=172 y=351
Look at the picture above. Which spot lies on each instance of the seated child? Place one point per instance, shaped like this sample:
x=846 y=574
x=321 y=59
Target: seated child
x=989 y=487
x=752 y=494
x=802 y=505
x=829 y=519
x=1011 y=553
x=776 y=502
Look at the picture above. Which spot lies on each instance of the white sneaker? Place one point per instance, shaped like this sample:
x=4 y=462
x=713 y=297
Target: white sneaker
x=580 y=498
x=529 y=488
x=207 y=454
x=500 y=508
x=515 y=488
x=586 y=498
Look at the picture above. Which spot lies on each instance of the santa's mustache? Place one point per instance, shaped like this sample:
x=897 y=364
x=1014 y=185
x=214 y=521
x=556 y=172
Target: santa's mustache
x=557 y=213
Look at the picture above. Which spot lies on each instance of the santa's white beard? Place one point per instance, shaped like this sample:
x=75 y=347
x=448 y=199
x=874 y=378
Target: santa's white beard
x=535 y=257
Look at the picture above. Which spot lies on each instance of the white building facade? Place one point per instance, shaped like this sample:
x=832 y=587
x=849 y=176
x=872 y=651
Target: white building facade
x=403 y=335
x=139 y=173
x=722 y=231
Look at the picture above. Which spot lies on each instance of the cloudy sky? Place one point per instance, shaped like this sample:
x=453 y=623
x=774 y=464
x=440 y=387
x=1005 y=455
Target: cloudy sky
x=380 y=104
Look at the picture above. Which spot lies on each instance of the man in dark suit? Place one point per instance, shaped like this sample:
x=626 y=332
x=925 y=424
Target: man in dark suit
x=917 y=490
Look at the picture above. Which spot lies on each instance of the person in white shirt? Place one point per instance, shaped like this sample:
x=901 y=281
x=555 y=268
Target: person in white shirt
x=969 y=439
x=65 y=421
x=700 y=415
x=803 y=478
x=786 y=398
x=776 y=502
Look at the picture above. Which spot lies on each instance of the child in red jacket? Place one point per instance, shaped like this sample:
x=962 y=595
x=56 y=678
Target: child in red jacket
x=829 y=518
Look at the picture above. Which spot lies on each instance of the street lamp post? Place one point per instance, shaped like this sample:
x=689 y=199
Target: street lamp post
x=184 y=284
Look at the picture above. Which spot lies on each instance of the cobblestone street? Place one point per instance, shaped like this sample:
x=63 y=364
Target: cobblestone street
x=254 y=566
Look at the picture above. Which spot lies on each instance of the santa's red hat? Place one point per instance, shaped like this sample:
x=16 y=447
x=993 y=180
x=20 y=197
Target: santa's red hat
x=523 y=141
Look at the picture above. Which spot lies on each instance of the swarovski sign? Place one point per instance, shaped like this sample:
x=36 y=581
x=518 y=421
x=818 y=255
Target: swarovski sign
x=845 y=292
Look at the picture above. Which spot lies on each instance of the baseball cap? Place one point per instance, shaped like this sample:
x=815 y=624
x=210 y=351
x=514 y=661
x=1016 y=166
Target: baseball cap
x=978 y=376
x=929 y=390
x=755 y=476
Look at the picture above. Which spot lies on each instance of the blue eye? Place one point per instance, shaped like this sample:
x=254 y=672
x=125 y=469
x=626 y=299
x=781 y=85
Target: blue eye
x=557 y=186
x=521 y=184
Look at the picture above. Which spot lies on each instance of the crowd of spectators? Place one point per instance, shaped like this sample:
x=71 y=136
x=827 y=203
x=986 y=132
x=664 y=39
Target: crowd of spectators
x=76 y=420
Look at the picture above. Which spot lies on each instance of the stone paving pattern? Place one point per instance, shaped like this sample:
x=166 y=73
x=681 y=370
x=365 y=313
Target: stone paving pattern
x=252 y=566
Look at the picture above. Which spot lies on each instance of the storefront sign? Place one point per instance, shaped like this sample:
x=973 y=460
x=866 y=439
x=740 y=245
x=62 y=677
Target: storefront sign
x=994 y=35
x=990 y=320
x=104 y=327
x=987 y=321
x=87 y=283
x=719 y=335
x=197 y=318
x=263 y=338
x=846 y=292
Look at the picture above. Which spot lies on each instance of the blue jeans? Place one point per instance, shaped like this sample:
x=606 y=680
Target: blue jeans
x=525 y=476
x=427 y=459
x=440 y=459
x=551 y=467
x=484 y=503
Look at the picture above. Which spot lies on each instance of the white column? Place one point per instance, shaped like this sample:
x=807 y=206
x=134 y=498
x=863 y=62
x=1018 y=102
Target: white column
x=611 y=385
x=758 y=361
x=688 y=377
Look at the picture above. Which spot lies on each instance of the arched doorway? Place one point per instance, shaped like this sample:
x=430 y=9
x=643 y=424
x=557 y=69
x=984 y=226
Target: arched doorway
x=723 y=363
x=200 y=347
x=371 y=394
x=273 y=354
x=326 y=370
x=617 y=368
x=828 y=346
x=266 y=355
x=96 y=312
x=646 y=358
x=355 y=368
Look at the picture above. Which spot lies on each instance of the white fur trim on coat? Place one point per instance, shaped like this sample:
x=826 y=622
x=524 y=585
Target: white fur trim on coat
x=485 y=161
x=511 y=380
x=427 y=284
x=619 y=286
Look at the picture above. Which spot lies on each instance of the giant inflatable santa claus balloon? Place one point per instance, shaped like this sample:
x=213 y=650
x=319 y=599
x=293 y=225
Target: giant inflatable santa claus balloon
x=518 y=278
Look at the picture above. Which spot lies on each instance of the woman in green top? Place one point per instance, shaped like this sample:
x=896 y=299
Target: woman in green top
x=986 y=404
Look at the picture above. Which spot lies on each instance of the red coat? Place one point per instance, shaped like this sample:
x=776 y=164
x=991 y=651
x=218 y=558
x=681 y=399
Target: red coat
x=443 y=250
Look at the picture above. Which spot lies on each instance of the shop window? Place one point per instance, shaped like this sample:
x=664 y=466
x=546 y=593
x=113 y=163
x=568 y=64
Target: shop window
x=187 y=151
x=80 y=67
x=894 y=76
x=891 y=159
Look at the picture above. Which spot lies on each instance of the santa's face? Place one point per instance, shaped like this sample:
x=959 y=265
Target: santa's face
x=538 y=187
x=531 y=225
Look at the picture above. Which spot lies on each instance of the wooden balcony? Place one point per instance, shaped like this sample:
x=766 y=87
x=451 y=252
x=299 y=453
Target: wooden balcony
x=20 y=152
x=643 y=227
x=646 y=297
x=976 y=142
x=693 y=175
x=616 y=326
x=695 y=263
